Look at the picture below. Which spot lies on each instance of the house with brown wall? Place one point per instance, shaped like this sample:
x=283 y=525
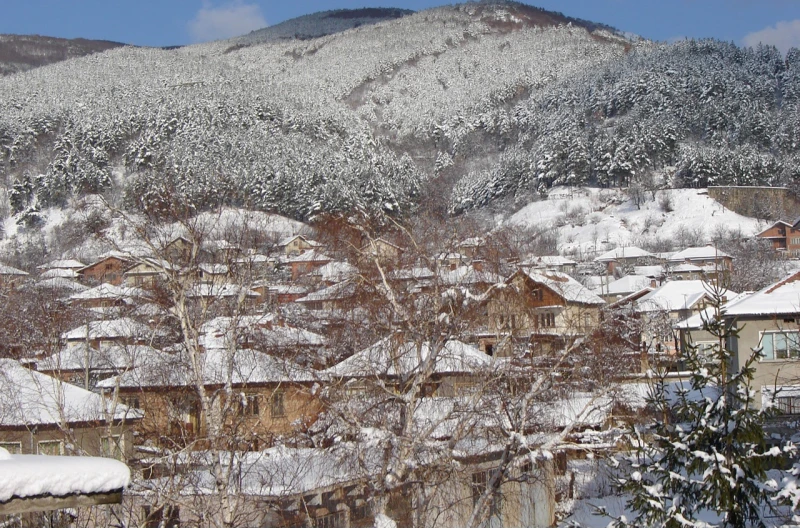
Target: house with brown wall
x=784 y=236
x=40 y=414
x=107 y=269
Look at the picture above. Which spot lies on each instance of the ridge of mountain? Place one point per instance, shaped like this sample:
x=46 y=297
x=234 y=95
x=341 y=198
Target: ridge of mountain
x=24 y=52
x=457 y=107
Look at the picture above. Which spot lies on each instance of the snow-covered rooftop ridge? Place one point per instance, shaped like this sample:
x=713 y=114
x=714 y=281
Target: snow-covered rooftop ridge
x=108 y=291
x=9 y=270
x=465 y=275
x=780 y=298
x=565 y=286
x=78 y=356
x=624 y=285
x=220 y=331
x=40 y=475
x=698 y=320
x=390 y=357
x=217 y=366
x=123 y=327
x=335 y=271
x=629 y=252
x=708 y=252
x=547 y=260
x=338 y=291
x=69 y=264
x=677 y=295
x=310 y=255
x=32 y=398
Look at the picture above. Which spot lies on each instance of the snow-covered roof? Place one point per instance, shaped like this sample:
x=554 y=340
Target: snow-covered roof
x=649 y=271
x=206 y=291
x=58 y=273
x=415 y=273
x=68 y=264
x=217 y=366
x=8 y=270
x=123 y=327
x=277 y=289
x=288 y=240
x=32 y=398
x=108 y=291
x=565 y=286
x=335 y=271
x=625 y=285
x=782 y=297
x=31 y=476
x=699 y=319
x=676 y=295
x=465 y=275
x=621 y=253
x=388 y=357
x=77 y=356
x=214 y=269
x=217 y=333
x=309 y=255
x=341 y=290
x=546 y=261
x=59 y=283
x=686 y=268
x=698 y=253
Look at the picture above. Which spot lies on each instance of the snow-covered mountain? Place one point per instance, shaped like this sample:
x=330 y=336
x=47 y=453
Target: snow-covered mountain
x=461 y=105
x=24 y=52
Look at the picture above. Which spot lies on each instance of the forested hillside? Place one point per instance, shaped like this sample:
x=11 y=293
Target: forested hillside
x=475 y=102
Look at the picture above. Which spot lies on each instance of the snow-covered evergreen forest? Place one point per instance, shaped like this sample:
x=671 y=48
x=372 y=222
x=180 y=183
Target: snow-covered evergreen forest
x=476 y=101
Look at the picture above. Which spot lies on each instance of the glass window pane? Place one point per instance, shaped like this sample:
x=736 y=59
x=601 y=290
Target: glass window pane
x=766 y=346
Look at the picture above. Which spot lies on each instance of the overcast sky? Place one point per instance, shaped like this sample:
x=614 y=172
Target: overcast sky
x=173 y=22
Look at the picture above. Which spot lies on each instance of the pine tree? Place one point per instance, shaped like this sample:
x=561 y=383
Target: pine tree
x=703 y=463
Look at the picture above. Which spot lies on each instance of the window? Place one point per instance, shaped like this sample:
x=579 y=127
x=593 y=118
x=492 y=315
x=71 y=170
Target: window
x=248 y=405
x=480 y=482
x=334 y=520
x=787 y=404
x=131 y=402
x=15 y=448
x=51 y=447
x=112 y=447
x=276 y=406
x=780 y=345
x=547 y=320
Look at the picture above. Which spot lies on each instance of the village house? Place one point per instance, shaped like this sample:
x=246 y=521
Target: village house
x=106 y=295
x=784 y=236
x=11 y=277
x=668 y=304
x=297 y=244
x=119 y=331
x=273 y=396
x=550 y=263
x=769 y=321
x=107 y=269
x=543 y=308
x=625 y=257
x=40 y=414
x=306 y=262
x=715 y=264
x=457 y=366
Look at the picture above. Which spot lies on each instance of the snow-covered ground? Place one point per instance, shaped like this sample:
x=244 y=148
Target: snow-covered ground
x=590 y=221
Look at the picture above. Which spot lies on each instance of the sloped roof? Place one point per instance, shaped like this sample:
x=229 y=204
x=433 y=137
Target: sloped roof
x=217 y=332
x=341 y=290
x=62 y=264
x=389 y=358
x=676 y=295
x=623 y=253
x=109 y=329
x=60 y=283
x=787 y=224
x=564 y=286
x=698 y=253
x=77 y=356
x=8 y=270
x=217 y=366
x=465 y=275
x=698 y=320
x=335 y=271
x=625 y=285
x=782 y=297
x=547 y=260
x=309 y=255
x=32 y=398
x=56 y=273
x=108 y=291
